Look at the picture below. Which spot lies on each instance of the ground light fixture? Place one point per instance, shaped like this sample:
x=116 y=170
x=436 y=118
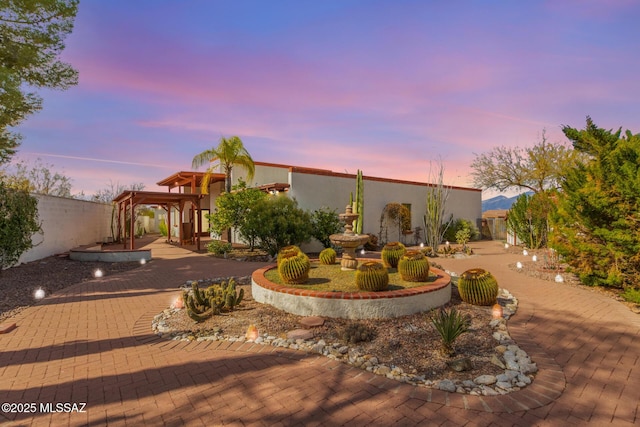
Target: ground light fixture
x=518 y=265
x=362 y=252
x=525 y=253
x=39 y=294
x=534 y=258
x=506 y=246
x=143 y=261
x=98 y=273
x=559 y=278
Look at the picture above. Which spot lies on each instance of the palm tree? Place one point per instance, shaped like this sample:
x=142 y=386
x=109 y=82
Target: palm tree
x=230 y=152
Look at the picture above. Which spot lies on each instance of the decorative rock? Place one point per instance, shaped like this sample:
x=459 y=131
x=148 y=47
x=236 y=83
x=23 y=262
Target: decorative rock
x=460 y=365
x=503 y=385
x=447 y=385
x=529 y=368
x=485 y=380
x=383 y=370
x=311 y=321
x=496 y=361
x=300 y=334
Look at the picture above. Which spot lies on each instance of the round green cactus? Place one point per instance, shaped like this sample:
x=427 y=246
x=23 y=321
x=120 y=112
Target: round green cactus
x=413 y=267
x=293 y=249
x=391 y=254
x=327 y=256
x=478 y=287
x=294 y=268
x=372 y=276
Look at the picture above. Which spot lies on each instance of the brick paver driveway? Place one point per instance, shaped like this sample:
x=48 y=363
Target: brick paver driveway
x=92 y=344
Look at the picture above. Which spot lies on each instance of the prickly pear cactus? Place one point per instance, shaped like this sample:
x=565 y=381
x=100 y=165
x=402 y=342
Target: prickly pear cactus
x=372 y=276
x=414 y=267
x=391 y=254
x=478 y=287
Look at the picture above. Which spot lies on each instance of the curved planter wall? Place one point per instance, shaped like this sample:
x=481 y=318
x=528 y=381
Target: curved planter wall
x=352 y=305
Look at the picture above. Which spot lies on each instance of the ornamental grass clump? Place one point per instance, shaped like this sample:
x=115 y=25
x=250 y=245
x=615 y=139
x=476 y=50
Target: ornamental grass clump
x=450 y=324
x=391 y=254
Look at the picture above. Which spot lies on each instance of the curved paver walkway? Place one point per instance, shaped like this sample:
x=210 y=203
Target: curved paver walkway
x=92 y=343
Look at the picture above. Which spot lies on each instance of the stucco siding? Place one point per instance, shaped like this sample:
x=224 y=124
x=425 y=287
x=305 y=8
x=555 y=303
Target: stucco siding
x=68 y=223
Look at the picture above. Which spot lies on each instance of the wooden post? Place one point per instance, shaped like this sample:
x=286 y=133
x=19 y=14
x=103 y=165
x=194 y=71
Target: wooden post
x=131 y=225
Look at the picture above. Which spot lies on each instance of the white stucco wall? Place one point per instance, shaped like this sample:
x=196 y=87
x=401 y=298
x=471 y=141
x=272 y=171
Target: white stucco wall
x=313 y=191
x=68 y=223
x=315 y=188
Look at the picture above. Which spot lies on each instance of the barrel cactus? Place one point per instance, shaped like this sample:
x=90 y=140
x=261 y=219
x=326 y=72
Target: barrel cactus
x=391 y=253
x=294 y=267
x=414 y=267
x=293 y=249
x=478 y=287
x=327 y=256
x=372 y=276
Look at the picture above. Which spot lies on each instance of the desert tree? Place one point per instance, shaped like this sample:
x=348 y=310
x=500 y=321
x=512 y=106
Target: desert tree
x=32 y=34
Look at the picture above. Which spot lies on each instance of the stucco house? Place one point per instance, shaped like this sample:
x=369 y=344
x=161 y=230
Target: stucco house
x=315 y=188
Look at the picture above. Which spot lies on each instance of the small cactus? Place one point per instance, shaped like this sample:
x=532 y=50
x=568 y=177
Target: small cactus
x=414 y=267
x=391 y=253
x=357 y=332
x=478 y=287
x=327 y=256
x=372 y=276
x=294 y=267
x=215 y=299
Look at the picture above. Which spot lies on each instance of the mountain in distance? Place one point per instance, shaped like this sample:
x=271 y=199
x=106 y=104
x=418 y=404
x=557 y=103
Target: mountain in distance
x=500 y=202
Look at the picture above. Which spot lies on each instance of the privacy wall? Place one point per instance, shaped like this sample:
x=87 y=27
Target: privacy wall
x=67 y=223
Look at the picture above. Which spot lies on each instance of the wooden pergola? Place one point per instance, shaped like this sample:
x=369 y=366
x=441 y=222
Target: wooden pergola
x=128 y=200
x=189 y=179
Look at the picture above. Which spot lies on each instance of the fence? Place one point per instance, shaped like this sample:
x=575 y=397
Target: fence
x=66 y=224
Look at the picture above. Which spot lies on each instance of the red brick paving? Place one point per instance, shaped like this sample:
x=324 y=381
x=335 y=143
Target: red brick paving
x=92 y=343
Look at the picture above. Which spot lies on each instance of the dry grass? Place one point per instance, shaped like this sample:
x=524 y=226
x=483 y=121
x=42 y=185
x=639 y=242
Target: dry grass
x=331 y=278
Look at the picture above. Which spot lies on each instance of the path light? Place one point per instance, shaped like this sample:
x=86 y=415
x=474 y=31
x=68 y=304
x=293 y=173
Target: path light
x=39 y=293
x=362 y=252
x=447 y=243
x=252 y=333
x=143 y=261
x=506 y=246
x=422 y=245
x=496 y=311
x=525 y=253
x=534 y=258
x=559 y=278
x=178 y=303
x=98 y=273
x=518 y=265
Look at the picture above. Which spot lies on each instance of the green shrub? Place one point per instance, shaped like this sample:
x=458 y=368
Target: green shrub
x=163 y=227
x=276 y=222
x=450 y=325
x=461 y=224
x=18 y=222
x=632 y=295
x=324 y=223
x=218 y=247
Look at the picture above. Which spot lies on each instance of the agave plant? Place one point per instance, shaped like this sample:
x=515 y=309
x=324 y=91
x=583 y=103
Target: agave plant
x=450 y=325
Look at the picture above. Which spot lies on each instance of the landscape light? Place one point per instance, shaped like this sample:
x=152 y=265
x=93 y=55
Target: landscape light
x=534 y=258
x=518 y=265
x=143 y=261
x=559 y=278
x=98 y=273
x=525 y=253
x=39 y=293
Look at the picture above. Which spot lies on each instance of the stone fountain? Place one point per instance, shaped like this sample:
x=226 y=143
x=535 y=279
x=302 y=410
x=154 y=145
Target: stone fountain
x=348 y=240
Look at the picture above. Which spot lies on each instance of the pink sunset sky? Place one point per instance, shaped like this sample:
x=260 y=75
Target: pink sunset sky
x=382 y=86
